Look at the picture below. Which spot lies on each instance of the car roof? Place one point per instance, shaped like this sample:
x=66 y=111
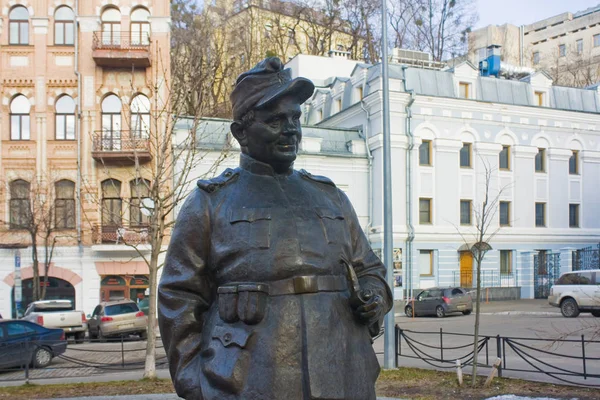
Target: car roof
x=583 y=270
x=114 y=302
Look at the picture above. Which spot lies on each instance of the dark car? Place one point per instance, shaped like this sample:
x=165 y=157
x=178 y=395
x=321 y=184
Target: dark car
x=26 y=343
x=439 y=302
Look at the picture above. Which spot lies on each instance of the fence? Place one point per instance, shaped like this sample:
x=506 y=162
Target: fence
x=517 y=354
x=489 y=278
x=118 y=354
x=586 y=258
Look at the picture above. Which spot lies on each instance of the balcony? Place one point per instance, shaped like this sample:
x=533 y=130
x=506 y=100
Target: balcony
x=125 y=235
x=121 y=49
x=121 y=147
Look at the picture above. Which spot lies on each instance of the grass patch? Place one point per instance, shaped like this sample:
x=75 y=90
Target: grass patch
x=408 y=383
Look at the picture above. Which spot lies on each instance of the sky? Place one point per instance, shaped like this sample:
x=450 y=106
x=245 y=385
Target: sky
x=522 y=12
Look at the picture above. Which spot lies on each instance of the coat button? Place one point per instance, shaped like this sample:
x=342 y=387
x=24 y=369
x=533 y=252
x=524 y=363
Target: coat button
x=228 y=173
x=227 y=337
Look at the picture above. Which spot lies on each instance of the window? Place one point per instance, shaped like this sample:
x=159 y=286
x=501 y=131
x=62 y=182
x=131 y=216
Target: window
x=18 y=329
x=140 y=190
x=505 y=262
x=111 y=203
x=562 y=50
x=111 y=123
x=574 y=163
x=579 y=46
x=536 y=58
x=359 y=93
x=321 y=114
x=540 y=214
x=463 y=90
x=111 y=27
x=18 y=26
x=140 y=27
x=65 y=118
x=64 y=32
x=504 y=160
x=19 y=204
x=540 y=161
x=338 y=104
x=573 y=215
x=140 y=117
x=425 y=153
x=64 y=204
x=465 y=155
x=424 y=211
x=597 y=40
x=504 y=213
x=539 y=98
x=19 y=118
x=578 y=278
x=465 y=212
x=426 y=262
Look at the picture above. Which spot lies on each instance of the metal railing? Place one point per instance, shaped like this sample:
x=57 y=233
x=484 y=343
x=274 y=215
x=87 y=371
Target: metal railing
x=124 y=40
x=489 y=279
x=120 y=140
x=121 y=234
x=518 y=354
x=586 y=258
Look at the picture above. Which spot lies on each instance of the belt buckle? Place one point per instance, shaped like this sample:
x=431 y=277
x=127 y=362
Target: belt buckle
x=305 y=284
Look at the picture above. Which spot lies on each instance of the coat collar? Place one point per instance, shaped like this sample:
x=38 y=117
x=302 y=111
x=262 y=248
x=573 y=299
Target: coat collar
x=260 y=168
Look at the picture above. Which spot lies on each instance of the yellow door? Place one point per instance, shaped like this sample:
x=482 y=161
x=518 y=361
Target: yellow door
x=466 y=269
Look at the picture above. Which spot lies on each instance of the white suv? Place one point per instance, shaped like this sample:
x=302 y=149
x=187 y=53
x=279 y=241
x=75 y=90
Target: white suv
x=576 y=292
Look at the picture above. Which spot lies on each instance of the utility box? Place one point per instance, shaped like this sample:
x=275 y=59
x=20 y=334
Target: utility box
x=491 y=65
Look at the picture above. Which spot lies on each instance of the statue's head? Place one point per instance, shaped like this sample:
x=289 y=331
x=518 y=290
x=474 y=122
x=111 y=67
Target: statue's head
x=266 y=113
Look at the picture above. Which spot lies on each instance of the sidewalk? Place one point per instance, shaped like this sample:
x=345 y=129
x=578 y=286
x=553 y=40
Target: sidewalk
x=154 y=397
x=506 y=307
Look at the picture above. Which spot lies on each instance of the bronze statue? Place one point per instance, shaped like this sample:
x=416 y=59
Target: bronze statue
x=270 y=289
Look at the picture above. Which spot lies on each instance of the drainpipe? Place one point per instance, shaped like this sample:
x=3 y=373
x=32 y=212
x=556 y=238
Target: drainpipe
x=521 y=43
x=77 y=125
x=409 y=223
x=365 y=133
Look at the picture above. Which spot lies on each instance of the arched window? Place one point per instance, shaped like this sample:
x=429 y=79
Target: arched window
x=140 y=190
x=111 y=123
x=64 y=204
x=111 y=205
x=140 y=27
x=19 y=204
x=140 y=117
x=18 y=25
x=111 y=27
x=64 y=33
x=19 y=118
x=65 y=118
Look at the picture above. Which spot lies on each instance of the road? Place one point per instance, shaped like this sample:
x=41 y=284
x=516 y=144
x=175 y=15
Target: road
x=523 y=319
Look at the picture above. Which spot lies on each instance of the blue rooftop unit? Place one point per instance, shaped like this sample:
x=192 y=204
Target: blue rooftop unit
x=491 y=65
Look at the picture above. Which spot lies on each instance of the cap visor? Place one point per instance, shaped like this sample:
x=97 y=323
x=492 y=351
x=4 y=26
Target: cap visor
x=300 y=88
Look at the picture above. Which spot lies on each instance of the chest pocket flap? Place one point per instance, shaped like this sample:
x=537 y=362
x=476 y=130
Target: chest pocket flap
x=334 y=225
x=249 y=214
x=252 y=226
x=329 y=213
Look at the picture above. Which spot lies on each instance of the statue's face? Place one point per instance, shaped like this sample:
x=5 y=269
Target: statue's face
x=275 y=135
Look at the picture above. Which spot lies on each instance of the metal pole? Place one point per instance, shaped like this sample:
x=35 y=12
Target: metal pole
x=388 y=350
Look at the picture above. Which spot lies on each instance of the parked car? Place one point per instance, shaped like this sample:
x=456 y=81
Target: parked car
x=439 y=302
x=58 y=314
x=27 y=343
x=577 y=292
x=116 y=318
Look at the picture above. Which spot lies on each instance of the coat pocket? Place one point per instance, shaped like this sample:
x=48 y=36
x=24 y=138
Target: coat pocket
x=227 y=361
x=253 y=225
x=334 y=225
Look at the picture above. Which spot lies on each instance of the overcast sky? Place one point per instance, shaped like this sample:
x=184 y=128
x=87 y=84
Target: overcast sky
x=522 y=12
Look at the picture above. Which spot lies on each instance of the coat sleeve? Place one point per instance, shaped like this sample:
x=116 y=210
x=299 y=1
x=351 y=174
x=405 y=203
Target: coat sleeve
x=185 y=293
x=370 y=270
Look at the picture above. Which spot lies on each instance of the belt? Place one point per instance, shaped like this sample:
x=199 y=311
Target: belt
x=308 y=284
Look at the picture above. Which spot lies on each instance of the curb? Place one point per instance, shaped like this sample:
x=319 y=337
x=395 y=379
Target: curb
x=542 y=313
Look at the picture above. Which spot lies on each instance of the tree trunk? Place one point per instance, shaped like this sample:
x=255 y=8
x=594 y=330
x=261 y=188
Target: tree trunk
x=476 y=334
x=36 y=271
x=150 y=365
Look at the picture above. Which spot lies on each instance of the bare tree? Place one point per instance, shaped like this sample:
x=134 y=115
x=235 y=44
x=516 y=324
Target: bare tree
x=575 y=68
x=363 y=18
x=478 y=240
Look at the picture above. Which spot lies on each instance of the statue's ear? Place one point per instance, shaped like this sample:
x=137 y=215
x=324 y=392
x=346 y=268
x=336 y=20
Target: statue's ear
x=239 y=133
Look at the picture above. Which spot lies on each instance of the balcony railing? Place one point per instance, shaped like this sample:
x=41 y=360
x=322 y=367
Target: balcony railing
x=121 y=146
x=127 y=235
x=121 y=49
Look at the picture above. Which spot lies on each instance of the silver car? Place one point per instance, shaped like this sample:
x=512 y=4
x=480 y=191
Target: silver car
x=116 y=318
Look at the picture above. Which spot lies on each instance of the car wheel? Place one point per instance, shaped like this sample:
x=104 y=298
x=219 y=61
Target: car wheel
x=569 y=308
x=596 y=313
x=468 y=312
x=79 y=337
x=144 y=335
x=42 y=357
x=439 y=312
x=408 y=310
x=100 y=336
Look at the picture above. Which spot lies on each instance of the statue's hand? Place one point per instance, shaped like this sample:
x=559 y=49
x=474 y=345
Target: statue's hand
x=371 y=311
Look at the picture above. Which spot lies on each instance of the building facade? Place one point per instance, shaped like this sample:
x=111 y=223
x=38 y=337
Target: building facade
x=77 y=80
x=540 y=143
x=566 y=45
